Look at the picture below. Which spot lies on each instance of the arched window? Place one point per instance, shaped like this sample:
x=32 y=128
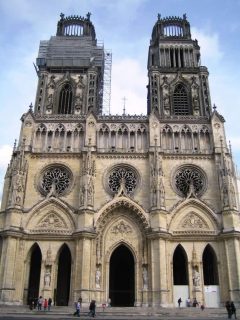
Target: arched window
x=180 y=101
x=65 y=99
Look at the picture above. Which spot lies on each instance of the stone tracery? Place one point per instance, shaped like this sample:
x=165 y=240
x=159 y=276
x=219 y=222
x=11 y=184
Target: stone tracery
x=187 y=178
x=122 y=173
x=59 y=177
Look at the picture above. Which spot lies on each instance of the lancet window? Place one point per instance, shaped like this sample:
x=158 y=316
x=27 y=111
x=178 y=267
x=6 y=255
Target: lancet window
x=180 y=101
x=65 y=99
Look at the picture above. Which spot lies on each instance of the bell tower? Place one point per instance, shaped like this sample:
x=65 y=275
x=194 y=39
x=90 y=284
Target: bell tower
x=178 y=85
x=70 y=70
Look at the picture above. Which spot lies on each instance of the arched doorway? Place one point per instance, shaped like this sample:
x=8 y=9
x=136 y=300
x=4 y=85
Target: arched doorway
x=210 y=277
x=34 y=273
x=121 y=279
x=64 y=276
x=180 y=275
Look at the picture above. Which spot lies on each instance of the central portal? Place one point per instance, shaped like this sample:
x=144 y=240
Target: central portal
x=121 y=280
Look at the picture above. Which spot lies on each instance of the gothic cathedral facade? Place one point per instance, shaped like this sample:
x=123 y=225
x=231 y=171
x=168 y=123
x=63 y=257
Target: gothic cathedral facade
x=138 y=209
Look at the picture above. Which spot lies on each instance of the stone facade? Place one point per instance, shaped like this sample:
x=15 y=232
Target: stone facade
x=103 y=206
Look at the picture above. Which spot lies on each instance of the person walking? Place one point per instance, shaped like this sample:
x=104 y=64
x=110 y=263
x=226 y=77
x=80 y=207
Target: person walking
x=49 y=303
x=179 y=302
x=233 y=309
x=77 y=306
x=92 y=308
x=228 y=308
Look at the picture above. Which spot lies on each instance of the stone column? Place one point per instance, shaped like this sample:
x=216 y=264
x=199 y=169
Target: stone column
x=7 y=274
x=232 y=256
x=84 y=282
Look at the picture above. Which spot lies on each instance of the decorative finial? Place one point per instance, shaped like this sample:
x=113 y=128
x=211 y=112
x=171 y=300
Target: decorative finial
x=124 y=105
x=230 y=147
x=62 y=16
x=89 y=15
x=184 y=16
x=159 y=16
x=214 y=107
x=14 y=145
x=30 y=107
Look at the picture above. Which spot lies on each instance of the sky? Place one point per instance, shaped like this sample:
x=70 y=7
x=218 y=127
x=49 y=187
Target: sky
x=124 y=26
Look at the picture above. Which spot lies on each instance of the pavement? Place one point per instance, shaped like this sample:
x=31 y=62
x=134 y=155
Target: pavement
x=115 y=313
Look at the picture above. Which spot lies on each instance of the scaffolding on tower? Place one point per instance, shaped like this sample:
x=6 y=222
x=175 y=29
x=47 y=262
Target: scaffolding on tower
x=106 y=103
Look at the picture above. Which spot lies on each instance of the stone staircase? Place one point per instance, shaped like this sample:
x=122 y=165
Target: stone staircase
x=119 y=313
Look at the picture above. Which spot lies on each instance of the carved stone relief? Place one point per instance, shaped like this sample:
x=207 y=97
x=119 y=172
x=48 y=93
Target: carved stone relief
x=52 y=221
x=193 y=221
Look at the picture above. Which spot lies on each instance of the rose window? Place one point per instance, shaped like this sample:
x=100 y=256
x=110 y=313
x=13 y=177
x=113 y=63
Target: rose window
x=189 y=178
x=122 y=175
x=55 y=179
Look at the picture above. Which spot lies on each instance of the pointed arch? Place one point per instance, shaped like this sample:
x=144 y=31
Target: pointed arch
x=35 y=262
x=167 y=138
x=122 y=277
x=104 y=136
x=65 y=101
x=64 y=259
x=135 y=209
x=210 y=266
x=55 y=209
x=201 y=210
x=186 y=139
x=180 y=266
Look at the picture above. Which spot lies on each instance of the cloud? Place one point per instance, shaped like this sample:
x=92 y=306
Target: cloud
x=5 y=155
x=209 y=43
x=129 y=79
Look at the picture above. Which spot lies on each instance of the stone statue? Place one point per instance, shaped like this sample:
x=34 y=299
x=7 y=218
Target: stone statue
x=48 y=261
x=196 y=278
x=47 y=278
x=145 y=278
x=98 y=278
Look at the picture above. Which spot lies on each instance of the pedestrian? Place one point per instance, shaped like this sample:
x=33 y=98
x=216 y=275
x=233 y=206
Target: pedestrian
x=195 y=303
x=228 y=308
x=49 y=303
x=92 y=308
x=39 y=303
x=179 y=302
x=202 y=307
x=45 y=304
x=188 y=302
x=77 y=307
x=233 y=309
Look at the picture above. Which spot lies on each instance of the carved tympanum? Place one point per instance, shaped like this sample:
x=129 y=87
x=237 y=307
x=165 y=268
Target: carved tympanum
x=193 y=221
x=121 y=228
x=52 y=221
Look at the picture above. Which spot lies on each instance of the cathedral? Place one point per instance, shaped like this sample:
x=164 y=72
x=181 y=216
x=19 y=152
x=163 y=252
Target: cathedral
x=136 y=209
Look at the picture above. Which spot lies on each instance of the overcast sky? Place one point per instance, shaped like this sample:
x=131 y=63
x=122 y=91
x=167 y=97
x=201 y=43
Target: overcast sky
x=125 y=27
